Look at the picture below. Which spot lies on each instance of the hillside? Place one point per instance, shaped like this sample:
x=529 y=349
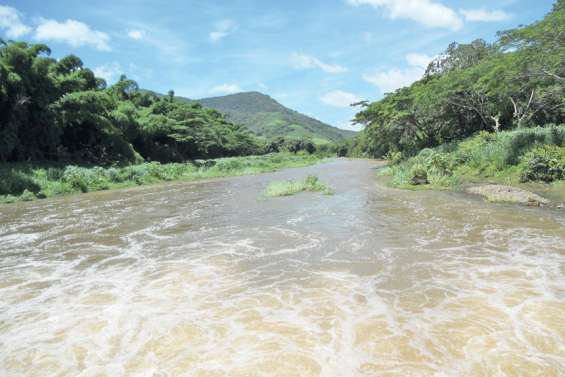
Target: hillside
x=268 y=118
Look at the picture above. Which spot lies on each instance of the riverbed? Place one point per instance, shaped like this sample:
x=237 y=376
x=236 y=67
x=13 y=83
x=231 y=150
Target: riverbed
x=214 y=279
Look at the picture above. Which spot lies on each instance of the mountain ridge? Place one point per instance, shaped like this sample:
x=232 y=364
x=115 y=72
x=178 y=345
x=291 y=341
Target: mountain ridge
x=268 y=118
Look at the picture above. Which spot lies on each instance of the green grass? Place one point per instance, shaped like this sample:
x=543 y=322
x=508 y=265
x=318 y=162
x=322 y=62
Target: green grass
x=29 y=181
x=533 y=158
x=286 y=188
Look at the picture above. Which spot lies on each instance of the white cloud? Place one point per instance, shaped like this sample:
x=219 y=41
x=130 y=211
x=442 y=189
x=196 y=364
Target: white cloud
x=484 y=15
x=75 y=33
x=419 y=60
x=109 y=72
x=302 y=61
x=136 y=34
x=339 y=98
x=222 y=29
x=11 y=22
x=225 y=89
x=390 y=80
x=426 y=12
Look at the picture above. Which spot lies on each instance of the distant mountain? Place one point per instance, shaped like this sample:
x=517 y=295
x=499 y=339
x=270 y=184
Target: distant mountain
x=266 y=117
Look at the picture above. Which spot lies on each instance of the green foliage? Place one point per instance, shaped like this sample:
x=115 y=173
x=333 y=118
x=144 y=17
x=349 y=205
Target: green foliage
x=393 y=158
x=418 y=175
x=521 y=155
x=59 y=111
x=516 y=83
x=289 y=144
x=545 y=164
x=19 y=181
x=27 y=196
x=286 y=188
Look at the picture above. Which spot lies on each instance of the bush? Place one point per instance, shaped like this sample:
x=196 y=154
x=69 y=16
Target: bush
x=393 y=158
x=521 y=141
x=418 y=175
x=85 y=179
x=545 y=164
x=27 y=196
x=76 y=178
x=439 y=164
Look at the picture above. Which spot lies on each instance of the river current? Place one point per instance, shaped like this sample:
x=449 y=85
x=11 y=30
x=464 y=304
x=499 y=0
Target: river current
x=212 y=279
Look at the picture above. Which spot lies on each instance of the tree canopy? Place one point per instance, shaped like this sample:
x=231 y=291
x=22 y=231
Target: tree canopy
x=58 y=110
x=516 y=82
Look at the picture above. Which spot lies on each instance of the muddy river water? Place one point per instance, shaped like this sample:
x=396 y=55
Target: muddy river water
x=212 y=279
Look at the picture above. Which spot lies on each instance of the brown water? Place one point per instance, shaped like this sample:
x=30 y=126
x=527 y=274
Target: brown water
x=210 y=279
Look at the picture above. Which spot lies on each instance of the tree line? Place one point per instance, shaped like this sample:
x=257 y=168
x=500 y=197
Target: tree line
x=58 y=110
x=516 y=82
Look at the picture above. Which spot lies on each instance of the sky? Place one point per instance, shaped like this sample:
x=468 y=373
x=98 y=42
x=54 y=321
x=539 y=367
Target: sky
x=314 y=56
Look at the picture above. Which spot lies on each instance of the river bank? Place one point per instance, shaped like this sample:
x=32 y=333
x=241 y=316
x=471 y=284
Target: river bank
x=32 y=181
x=531 y=160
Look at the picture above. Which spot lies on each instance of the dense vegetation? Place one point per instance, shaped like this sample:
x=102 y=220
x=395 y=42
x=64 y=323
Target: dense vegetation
x=516 y=84
x=269 y=119
x=29 y=181
x=509 y=157
x=58 y=110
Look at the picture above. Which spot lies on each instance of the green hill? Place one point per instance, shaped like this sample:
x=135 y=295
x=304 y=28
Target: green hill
x=267 y=118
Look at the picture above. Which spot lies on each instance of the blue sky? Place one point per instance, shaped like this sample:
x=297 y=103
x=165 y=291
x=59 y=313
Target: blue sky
x=314 y=56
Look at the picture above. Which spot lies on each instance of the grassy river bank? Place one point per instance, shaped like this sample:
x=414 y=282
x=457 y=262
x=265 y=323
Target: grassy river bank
x=31 y=181
x=526 y=159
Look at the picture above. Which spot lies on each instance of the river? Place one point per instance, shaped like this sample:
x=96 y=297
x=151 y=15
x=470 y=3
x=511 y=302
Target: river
x=212 y=279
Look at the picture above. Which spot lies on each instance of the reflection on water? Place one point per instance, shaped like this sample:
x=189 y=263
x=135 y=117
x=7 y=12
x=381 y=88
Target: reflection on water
x=212 y=280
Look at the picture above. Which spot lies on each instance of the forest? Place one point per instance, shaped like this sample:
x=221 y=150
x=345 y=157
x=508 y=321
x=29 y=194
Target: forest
x=57 y=110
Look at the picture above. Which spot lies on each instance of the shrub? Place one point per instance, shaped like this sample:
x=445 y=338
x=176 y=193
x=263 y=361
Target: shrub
x=439 y=164
x=27 y=196
x=7 y=199
x=76 y=177
x=114 y=175
x=14 y=182
x=418 y=175
x=54 y=174
x=393 y=158
x=545 y=164
x=521 y=141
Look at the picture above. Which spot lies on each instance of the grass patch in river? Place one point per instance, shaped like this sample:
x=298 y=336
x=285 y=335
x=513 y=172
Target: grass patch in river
x=287 y=188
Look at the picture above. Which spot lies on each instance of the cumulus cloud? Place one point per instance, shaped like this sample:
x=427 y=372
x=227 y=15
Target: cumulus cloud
x=225 y=89
x=302 y=61
x=72 y=32
x=136 y=34
x=11 y=22
x=339 y=98
x=109 y=72
x=222 y=29
x=484 y=15
x=426 y=12
x=390 y=80
x=419 y=60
